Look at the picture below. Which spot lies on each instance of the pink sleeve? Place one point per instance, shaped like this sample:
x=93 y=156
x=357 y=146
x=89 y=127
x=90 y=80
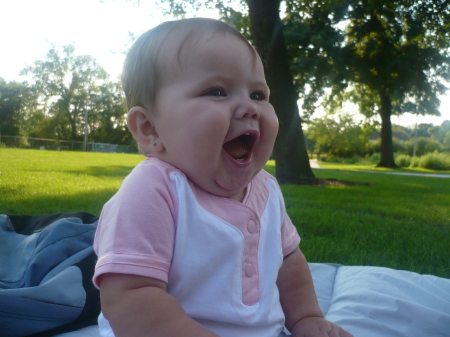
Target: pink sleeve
x=136 y=230
x=289 y=236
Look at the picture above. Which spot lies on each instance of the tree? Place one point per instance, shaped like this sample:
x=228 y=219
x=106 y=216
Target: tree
x=439 y=132
x=268 y=36
x=15 y=98
x=392 y=55
x=401 y=132
x=107 y=117
x=40 y=125
x=446 y=141
x=314 y=45
x=69 y=85
x=340 y=137
x=423 y=145
x=397 y=58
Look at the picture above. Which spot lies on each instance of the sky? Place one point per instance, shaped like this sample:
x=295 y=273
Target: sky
x=28 y=28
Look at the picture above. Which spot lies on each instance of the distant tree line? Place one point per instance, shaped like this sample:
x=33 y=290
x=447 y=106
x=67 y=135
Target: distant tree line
x=62 y=93
x=340 y=136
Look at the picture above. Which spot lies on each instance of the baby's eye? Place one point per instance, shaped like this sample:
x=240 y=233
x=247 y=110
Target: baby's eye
x=216 y=92
x=257 y=96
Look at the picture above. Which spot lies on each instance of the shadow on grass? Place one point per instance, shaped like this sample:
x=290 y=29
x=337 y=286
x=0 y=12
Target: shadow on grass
x=97 y=171
x=81 y=202
x=108 y=171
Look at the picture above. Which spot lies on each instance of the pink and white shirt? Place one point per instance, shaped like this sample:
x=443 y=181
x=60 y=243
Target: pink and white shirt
x=219 y=257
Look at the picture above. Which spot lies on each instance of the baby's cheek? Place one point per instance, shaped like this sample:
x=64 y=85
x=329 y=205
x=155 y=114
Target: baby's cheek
x=269 y=130
x=217 y=134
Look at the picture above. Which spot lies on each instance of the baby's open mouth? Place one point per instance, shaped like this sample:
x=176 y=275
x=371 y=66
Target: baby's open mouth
x=240 y=148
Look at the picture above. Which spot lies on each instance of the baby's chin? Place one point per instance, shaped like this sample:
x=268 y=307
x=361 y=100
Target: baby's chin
x=233 y=190
x=221 y=189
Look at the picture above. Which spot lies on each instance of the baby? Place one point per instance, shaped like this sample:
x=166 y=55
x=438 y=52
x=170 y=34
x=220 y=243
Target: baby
x=197 y=241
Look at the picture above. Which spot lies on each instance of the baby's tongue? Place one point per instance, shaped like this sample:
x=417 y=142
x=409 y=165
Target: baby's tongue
x=237 y=148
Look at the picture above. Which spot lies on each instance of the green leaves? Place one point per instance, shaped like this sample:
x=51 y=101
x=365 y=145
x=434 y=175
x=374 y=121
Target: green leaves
x=71 y=86
x=16 y=99
x=340 y=136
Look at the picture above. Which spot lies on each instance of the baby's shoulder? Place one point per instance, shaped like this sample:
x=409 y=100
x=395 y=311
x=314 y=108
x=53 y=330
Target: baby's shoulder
x=263 y=177
x=150 y=174
x=153 y=169
x=148 y=182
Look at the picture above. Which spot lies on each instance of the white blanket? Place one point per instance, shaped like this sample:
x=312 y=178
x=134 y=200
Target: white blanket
x=374 y=302
x=383 y=302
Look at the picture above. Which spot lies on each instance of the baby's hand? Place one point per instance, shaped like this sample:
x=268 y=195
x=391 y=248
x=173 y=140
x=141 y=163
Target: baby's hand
x=318 y=327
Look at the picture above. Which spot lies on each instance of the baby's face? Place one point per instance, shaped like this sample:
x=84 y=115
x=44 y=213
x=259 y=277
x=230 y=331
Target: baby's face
x=213 y=116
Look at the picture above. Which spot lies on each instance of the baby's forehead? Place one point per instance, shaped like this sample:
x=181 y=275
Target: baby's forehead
x=180 y=50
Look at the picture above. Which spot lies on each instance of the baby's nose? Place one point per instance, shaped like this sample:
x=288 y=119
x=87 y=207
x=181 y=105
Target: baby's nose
x=247 y=109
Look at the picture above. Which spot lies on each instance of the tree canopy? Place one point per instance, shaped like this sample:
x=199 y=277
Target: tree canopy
x=394 y=58
x=72 y=87
x=15 y=98
x=341 y=137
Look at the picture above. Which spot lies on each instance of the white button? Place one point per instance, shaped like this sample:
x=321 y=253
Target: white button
x=249 y=270
x=251 y=226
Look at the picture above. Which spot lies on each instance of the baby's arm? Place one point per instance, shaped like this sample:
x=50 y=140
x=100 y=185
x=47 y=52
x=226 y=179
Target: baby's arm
x=140 y=306
x=299 y=302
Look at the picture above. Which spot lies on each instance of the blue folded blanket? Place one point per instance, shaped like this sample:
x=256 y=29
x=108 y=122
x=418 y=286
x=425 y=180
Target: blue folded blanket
x=46 y=268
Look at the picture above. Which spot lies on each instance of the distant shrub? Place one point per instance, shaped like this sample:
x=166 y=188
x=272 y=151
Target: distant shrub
x=368 y=159
x=414 y=162
x=375 y=158
x=374 y=146
x=23 y=142
x=331 y=159
x=435 y=161
x=350 y=160
x=403 y=160
x=423 y=146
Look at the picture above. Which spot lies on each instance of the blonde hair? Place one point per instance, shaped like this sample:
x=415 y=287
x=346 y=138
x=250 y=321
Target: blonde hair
x=144 y=66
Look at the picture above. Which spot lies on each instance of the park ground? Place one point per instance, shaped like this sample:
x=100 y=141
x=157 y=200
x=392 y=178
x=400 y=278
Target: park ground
x=395 y=221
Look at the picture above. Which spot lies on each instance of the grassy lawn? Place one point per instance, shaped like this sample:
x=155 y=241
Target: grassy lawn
x=400 y=222
x=340 y=166
x=42 y=182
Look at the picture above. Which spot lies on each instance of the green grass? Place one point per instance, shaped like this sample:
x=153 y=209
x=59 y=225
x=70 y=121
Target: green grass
x=368 y=167
x=400 y=222
x=41 y=182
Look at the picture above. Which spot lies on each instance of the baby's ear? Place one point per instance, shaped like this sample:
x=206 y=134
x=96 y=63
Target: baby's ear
x=142 y=127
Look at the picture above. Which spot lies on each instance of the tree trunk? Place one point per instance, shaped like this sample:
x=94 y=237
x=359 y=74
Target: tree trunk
x=387 y=148
x=65 y=107
x=292 y=162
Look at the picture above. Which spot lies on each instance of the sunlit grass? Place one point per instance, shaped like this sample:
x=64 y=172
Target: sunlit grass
x=342 y=166
x=400 y=222
x=39 y=182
